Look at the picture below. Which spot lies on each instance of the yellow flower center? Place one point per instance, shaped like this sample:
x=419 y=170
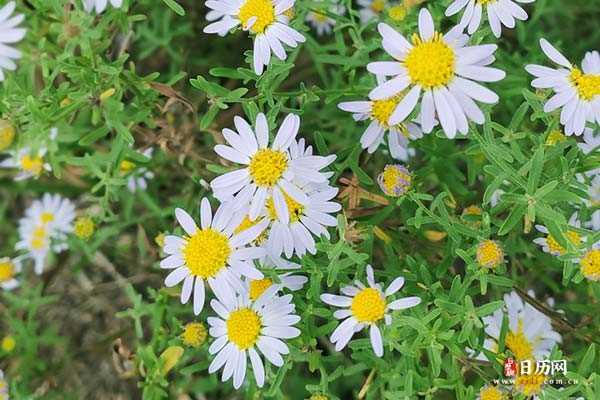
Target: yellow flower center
x=530 y=384
x=243 y=328
x=194 y=334
x=38 y=238
x=7 y=270
x=486 y=2
x=368 y=306
x=84 y=228
x=377 y=6
x=33 y=165
x=7 y=135
x=489 y=254
x=258 y=287
x=556 y=248
x=381 y=110
x=319 y=17
x=8 y=344
x=590 y=265
x=587 y=85
x=126 y=167
x=295 y=209
x=262 y=10
x=395 y=180
x=518 y=343
x=555 y=137
x=491 y=393
x=397 y=13
x=47 y=217
x=206 y=252
x=430 y=64
x=267 y=166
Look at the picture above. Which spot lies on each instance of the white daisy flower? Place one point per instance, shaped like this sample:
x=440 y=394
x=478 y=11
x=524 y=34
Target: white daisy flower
x=287 y=280
x=264 y=19
x=44 y=228
x=530 y=334
x=379 y=112
x=10 y=34
x=137 y=177
x=9 y=268
x=499 y=12
x=100 y=5
x=269 y=171
x=549 y=243
x=370 y=9
x=244 y=328
x=3 y=387
x=594 y=201
x=366 y=306
x=577 y=90
x=30 y=163
x=323 y=23
x=441 y=71
x=211 y=253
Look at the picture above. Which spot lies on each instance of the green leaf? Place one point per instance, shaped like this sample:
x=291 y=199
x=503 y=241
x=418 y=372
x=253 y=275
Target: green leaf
x=173 y=5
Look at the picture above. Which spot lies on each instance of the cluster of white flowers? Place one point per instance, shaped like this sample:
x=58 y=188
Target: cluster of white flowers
x=272 y=208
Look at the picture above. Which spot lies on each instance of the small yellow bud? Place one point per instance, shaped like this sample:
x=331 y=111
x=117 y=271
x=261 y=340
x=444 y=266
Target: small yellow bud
x=397 y=12
x=555 y=137
x=107 y=94
x=7 y=134
x=380 y=234
x=435 y=236
x=84 y=228
x=395 y=180
x=8 y=344
x=194 y=334
x=65 y=102
x=590 y=265
x=290 y=13
x=318 y=397
x=489 y=254
x=170 y=357
x=160 y=240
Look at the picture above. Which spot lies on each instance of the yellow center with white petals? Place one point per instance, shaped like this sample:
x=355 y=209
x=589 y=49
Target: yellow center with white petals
x=519 y=344
x=38 y=238
x=491 y=393
x=430 y=64
x=243 y=328
x=7 y=270
x=267 y=167
x=368 y=306
x=556 y=248
x=295 y=209
x=258 y=287
x=194 y=334
x=395 y=180
x=587 y=85
x=590 y=265
x=261 y=10
x=33 y=165
x=47 y=217
x=381 y=110
x=377 y=6
x=206 y=253
x=489 y=254
x=7 y=134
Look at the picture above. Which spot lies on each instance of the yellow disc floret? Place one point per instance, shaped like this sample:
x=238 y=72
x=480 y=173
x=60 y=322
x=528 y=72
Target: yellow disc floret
x=261 y=11
x=8 y=344
x=84 y=228
x=7 y=134
x=38 y=238
x=267 y=166
x=556 y=248
x=194 y=334
x=243 y=328
x=381 y=110
x=489 y=254
x=587 y=85
x=555 y=137
x=377 y=6
x=368 y=306
x=397 y=12
x=430 y=64
x=258 y=287
x=590 y=265
x=33 y=165
x=206 y=252
x=47 y=217
x=318 y=397
x=126 y=167
x=531 y=384
x=519 y=344
x=7 y=270
x=395 y=180
x=295 y=209
x=491 y=393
